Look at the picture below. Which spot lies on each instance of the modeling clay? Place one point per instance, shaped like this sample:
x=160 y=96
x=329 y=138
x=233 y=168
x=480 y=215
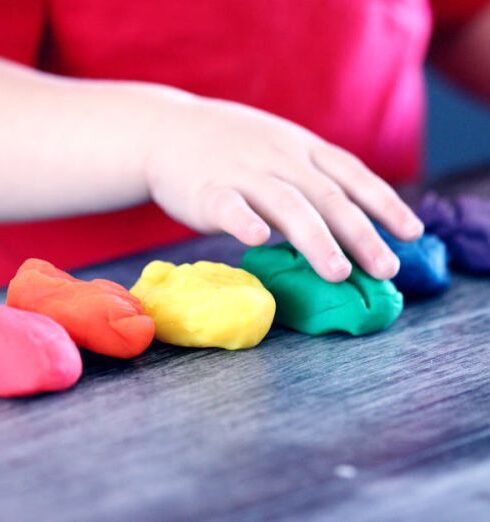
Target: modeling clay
x=309 y=304
x=99 y=315
x=205 y=304
x=36 y=354
x=464 y=225
x=424 y=265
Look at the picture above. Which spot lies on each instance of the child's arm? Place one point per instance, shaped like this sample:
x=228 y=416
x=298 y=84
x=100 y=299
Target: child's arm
x=464 y=53
x=68 y=146
x=76 y=146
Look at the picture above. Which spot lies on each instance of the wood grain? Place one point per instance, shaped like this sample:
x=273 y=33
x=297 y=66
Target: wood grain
x=390 y=427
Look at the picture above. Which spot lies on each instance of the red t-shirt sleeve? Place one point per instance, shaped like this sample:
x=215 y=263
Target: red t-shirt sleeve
x=21 y=29
x=455 y=12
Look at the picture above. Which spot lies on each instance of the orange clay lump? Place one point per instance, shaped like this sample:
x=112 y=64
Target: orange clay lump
x=99 y=315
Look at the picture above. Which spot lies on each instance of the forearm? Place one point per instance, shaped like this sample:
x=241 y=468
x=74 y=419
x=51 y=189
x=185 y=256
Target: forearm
x=74 y=146
x=464 y=54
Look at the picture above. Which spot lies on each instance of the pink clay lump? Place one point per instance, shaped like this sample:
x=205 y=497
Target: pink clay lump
x=36 y=354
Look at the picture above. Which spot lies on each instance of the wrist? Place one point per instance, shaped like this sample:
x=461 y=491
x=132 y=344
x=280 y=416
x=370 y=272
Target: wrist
x=165 y=115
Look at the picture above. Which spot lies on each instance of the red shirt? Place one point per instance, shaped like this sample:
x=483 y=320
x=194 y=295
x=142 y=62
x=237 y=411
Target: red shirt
x=349 y=70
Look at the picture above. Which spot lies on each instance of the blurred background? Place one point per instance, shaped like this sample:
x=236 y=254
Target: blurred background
x=458 y=128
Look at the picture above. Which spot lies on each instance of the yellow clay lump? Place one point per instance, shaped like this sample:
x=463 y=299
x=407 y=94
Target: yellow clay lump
x=205 y=304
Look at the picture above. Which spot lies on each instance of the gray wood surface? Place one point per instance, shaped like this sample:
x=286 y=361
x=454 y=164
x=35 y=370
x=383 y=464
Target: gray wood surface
x=390 y=427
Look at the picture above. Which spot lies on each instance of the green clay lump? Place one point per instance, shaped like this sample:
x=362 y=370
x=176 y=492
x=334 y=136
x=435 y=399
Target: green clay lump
x=309 y=304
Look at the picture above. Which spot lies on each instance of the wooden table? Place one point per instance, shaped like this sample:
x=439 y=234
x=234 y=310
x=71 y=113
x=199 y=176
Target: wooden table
x=390 y=427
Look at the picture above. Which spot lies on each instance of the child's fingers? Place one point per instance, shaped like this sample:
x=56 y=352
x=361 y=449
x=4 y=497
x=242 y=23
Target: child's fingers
x=352 y=229
x=227 y=210
x=358 y=236
x=284 y=206
x=369 y=191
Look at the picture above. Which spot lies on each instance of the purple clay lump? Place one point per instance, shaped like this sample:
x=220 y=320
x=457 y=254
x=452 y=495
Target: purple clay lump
x=464 y=225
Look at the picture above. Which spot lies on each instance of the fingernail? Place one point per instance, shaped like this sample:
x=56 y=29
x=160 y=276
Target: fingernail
x=414 y=227
x=259 y=231
x=387 y=266
x=338 y=263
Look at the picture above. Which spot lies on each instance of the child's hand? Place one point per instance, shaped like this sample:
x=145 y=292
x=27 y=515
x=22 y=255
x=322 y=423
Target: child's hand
x=222 y=166
x=213 y=165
